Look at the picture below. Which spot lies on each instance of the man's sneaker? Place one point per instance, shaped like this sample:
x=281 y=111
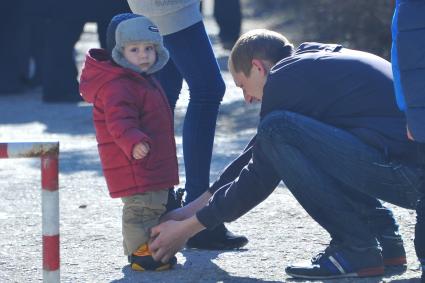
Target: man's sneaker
x=142 y=260
x=393 y=251
x=339 y=262
x=218 y=239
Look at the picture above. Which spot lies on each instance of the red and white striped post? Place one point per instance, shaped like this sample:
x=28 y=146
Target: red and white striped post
x=49 y=153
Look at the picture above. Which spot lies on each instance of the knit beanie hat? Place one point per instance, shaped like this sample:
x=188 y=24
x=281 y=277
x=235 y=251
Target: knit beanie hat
x=127 y=28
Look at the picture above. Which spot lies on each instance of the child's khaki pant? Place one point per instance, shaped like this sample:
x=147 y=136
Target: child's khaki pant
x=140 y=213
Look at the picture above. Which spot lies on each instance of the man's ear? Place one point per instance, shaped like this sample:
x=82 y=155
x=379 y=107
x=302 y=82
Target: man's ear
x=260 y=66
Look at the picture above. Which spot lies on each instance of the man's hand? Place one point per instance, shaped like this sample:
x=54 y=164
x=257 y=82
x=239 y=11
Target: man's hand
x=140 y=150
x=177 y=214
x=189 y=210
x=169 y=237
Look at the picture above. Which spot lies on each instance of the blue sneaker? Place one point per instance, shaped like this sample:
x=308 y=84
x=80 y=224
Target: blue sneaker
x=340 y=262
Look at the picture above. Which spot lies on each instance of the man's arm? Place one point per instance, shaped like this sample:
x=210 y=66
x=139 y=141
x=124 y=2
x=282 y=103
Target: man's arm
x=170 y=236
x=232 y=171
x=188 y=210
x=255 y=183
x=227 y=176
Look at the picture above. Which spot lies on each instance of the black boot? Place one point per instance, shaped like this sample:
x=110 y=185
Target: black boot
x=175 y=199
x=218 y=239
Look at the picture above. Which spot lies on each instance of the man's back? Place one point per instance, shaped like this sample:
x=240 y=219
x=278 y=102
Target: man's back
x=349 y=89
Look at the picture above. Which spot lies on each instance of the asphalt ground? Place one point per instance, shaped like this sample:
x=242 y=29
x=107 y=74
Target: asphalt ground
x=279 y=230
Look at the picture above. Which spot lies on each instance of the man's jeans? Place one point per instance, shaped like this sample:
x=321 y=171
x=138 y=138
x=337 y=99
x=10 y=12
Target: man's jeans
x=192 y=58
x=337 y=178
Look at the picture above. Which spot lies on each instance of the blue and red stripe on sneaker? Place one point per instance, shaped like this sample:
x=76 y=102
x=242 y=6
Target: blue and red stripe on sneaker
x=336 y=264
x=339 y=262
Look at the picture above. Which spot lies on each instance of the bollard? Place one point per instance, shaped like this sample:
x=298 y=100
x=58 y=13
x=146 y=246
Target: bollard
x=49 y=154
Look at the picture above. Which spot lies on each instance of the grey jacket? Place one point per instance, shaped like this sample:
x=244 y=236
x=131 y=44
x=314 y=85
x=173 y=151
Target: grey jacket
x=169 y=15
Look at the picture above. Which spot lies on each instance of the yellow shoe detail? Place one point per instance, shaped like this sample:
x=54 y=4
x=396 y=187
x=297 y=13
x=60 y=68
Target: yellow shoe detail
x=143 y=250
x=164 y=267
x=137 y=267
x=142 y=260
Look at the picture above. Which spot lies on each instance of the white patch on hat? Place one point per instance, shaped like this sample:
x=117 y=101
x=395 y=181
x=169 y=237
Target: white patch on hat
x=153 y=28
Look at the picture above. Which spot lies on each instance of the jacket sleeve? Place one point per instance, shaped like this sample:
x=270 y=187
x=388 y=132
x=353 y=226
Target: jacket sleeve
x=254 y=184
x=122 y=118
x=409 y=63
x=231 y=172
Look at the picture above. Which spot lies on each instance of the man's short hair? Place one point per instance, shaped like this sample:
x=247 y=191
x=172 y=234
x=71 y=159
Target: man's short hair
x=260 y=44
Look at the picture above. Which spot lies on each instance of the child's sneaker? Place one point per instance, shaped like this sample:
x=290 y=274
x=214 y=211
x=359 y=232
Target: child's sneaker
x=340 y=262
x=393 y=251
x=142 y=260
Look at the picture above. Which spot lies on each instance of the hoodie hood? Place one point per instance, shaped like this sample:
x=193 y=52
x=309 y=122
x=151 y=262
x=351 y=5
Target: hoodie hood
x=99 y=69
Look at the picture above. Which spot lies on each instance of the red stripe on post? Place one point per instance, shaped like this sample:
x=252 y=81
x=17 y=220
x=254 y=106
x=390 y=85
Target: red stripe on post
x=49 y=172
x=3 y=150
x=51 y=252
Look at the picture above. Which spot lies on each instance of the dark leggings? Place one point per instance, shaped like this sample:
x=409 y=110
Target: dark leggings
x=193 y=60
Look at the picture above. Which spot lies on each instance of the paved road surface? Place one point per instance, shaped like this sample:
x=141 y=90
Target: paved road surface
x=279 y=230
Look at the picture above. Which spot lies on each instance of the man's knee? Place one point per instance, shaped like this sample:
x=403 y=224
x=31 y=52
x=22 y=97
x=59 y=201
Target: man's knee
x=280 y=125
x=272 y=120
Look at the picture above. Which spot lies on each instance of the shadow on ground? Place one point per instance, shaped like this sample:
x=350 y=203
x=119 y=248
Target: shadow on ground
x=207 y=271
x=60 y=118
x=389 y=272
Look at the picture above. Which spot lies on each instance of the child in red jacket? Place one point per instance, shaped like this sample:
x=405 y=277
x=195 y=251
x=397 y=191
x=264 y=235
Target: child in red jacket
x=134 y=129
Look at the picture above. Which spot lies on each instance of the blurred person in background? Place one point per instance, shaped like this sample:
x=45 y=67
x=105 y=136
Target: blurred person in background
x=63 y=23
x=228 y=15
x=408 y=62
x=14 y=52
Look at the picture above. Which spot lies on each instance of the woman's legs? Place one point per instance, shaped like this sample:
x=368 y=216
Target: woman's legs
x=193 y=59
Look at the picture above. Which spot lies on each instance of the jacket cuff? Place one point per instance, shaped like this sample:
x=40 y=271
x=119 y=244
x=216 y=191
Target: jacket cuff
x=207 y=218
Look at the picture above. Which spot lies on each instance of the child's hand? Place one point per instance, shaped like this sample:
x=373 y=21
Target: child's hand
x=140 y=150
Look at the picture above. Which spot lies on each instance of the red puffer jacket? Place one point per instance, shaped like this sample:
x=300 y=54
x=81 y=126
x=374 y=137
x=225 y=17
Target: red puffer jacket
x=129 y=108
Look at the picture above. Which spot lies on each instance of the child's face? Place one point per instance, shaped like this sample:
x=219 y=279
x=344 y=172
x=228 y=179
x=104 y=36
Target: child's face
x=140 y=54
x=252 y=85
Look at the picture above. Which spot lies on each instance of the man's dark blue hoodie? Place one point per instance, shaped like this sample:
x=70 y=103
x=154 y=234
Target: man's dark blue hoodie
x=345 y=88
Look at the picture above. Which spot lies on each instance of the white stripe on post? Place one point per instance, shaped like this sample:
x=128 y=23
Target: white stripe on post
x=50 y=207
x=48 y=152
x=50 y=212
x=51 y=276
x=31 y=149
